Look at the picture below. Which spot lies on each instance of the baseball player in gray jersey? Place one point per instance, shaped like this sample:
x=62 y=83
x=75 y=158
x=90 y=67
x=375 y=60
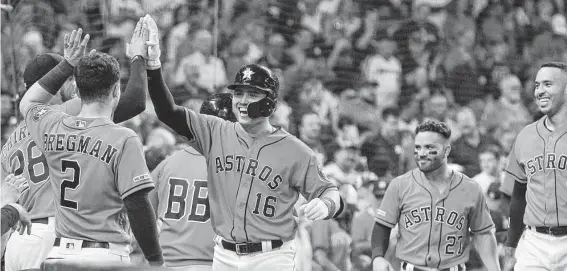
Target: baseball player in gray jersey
x=538 y=163
x=436 y=209
x=255 y=171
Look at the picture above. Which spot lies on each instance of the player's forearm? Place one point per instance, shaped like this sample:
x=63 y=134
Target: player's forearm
x=46 y=87
x=10 y=217
x=133 y=101
x=143 y=224
x=380 y=240
x=487 y=250
x=321 y=258
x=517 y=210
x=167 y=111
x=335 y=197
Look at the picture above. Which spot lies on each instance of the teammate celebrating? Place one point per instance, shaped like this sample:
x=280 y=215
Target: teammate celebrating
x=21 y=156
x=97 y=168
x=181 y=202
x=255 y=171
x=537 y=163
x=436 y=210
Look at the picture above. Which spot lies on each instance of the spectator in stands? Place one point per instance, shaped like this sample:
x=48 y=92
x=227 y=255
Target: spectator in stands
x=438 y=107
x=465 y=150
x=310 y=133
x=360 y=106
x=385 y=142
x=342 y=170
x=312 y=16
x=385 y=68
x=508 y=108
x=282 y=116
x=275 y=56
x=348 y=134
x=211 y=71
x=489 y=160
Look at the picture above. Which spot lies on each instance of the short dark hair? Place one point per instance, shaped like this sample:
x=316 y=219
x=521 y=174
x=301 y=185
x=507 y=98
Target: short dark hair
x=95 y=75
x=434 y=126
x=390 y=111
x=559 y=65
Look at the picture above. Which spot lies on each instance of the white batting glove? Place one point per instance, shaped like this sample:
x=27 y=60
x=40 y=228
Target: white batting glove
x=314 y=210
x=154 y=52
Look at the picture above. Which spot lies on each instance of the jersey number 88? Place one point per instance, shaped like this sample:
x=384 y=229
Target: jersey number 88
x=197 y=199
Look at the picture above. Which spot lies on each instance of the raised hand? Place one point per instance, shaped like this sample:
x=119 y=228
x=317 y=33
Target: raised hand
x=137 y=45
x=74 y=47
x=12 y=187
x=154 y=52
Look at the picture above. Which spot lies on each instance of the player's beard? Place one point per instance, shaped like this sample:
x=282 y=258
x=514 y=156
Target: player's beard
x=433 y=164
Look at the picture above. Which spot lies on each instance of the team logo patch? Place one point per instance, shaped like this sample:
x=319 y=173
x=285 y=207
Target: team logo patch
x=321 y=173
x=39 y=112
x=247 y=74
x=142 y=178
x=380 y=212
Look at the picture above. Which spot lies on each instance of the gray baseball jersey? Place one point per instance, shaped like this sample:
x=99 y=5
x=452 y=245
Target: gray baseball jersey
x=254 y=182
x=434 y=228
x=539 y=158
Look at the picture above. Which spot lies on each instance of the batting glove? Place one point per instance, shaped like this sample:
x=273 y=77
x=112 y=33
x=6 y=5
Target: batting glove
x=154 y=53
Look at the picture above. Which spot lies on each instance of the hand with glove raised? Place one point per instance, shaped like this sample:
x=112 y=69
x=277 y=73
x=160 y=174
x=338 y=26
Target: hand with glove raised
x=137 y=45
x=150 y=27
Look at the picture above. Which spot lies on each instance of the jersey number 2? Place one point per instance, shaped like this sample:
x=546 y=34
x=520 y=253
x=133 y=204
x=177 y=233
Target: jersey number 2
x=32 y=162
x=180 y=198
x=70 y=184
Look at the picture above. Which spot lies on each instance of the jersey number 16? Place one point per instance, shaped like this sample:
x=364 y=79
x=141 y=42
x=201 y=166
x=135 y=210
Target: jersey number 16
x=199 y=197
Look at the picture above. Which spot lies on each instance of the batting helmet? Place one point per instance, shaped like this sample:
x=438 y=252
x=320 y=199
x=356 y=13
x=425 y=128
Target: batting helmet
x=261 y=78
x=40 y=66
x=219 y=105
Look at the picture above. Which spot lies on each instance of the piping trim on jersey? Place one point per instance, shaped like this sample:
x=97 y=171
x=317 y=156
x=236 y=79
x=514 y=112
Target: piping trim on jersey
x=233 y=213
x=431 y=223
x=440 y=233
x=252 y=182
x=517 y=178
x=459 y=183
x=542 y=139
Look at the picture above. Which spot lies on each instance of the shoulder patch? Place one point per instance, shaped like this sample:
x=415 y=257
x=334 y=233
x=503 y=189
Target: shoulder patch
x=39 y=112
x=142 y=178
x=321 y=173
x=380 y=212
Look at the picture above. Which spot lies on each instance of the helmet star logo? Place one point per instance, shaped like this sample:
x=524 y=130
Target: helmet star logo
x=247 y=74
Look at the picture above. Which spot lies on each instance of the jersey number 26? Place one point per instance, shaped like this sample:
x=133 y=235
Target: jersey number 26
x=199 y=198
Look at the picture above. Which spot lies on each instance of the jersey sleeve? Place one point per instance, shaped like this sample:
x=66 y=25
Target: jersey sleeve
x=514 y=168
x=132 y=172
x=204 y=129
x=312 y=182
x=480 y=220
x=39 y=118
x=389 y=211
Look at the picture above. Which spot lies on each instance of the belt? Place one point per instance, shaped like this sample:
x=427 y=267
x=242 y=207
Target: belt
x=86 y=244
x=247 y=248
x=410 y=267
x=44 y=220
x=557 y=231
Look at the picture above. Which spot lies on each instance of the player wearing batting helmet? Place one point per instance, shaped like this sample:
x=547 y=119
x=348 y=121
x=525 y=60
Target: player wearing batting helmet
x=436 y=209
x=21 y=156
x=181 y=180
x=537 y=166
x=256 y=171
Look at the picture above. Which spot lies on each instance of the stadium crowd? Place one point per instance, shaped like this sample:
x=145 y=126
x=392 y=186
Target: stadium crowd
x=356 y=77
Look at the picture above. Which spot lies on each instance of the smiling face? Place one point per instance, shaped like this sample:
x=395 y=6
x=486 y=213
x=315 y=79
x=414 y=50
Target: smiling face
x=242 y=97
x=550 y=89
x=430 y=151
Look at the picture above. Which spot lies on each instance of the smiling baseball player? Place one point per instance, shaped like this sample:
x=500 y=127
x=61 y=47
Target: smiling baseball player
x=537 y=163
x=436 y=209
x=181 y=200
x=20 y=155
x=255 y=171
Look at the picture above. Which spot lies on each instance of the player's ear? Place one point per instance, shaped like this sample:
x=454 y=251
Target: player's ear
x=116 y=90
x=447 y=150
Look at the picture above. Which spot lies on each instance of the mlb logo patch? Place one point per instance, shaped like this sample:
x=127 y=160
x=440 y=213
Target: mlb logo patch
x=142 y=178
x=39 y=112
x=380 y=212
x=80 y=123
x=70 y=246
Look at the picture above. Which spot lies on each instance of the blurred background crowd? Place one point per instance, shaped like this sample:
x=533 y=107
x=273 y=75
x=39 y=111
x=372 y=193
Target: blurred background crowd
x=356 y=77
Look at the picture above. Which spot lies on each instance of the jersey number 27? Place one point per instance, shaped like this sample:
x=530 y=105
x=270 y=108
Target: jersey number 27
x=178 y=190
